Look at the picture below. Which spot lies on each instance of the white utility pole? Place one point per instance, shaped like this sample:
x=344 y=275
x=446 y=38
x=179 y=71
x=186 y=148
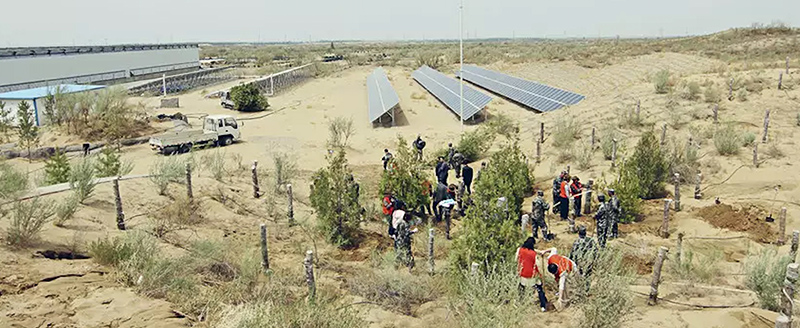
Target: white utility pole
x=461 y=65
x=164 y=84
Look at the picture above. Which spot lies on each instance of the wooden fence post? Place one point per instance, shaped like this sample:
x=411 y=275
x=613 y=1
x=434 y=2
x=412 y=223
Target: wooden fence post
x=665 y=222
x=431 y=265
x=473 y=269
x=677 y=192
x=118 y=203
x=256 y=189
x=638 y=110
x=189 y=182
x=264 y=249
x=780 y=81
x=730 y=90
x=593 y=137
x=541 y=132
x=587 y=206
x=662 y=254
x=766 y=127
x=787 y=65
x=538 y=151
x=782 y=228
x=308 y=263
x=614 y=153
x=755 y=155
x=697 y=192
x=784 y=319
x=679 y=248
x=795 y=241
x=716 y=113
x=290 y=210
x=664 y=134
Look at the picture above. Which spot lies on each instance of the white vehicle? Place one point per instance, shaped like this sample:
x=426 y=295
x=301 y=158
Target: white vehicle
x=218 y=130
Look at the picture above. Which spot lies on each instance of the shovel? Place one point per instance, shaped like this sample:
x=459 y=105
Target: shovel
x=769 y=217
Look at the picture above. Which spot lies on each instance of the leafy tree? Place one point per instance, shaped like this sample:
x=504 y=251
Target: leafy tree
x=28 y=131
x=334 y=199
x=649 y=166
x=109 y=164
x=5 y=120
x=628 y=190
x=405 y=178
x=489 y=234
x=248 y=98
x=56 y=169
x=51 y=113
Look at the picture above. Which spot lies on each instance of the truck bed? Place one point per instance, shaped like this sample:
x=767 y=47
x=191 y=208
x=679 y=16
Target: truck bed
x=175 y=139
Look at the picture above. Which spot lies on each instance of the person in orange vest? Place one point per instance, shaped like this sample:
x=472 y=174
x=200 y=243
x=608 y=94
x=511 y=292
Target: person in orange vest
x=388 y=206
x=565 y=195
x=528 y=271
x=561 y=267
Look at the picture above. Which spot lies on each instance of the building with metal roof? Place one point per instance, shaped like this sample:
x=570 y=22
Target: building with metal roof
x=36 y=97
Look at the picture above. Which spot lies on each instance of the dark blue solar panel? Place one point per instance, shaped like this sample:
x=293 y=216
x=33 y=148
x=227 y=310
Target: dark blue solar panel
x=446 y=89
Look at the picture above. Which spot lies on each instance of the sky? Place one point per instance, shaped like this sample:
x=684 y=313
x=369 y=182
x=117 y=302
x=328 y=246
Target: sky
x=98 y=22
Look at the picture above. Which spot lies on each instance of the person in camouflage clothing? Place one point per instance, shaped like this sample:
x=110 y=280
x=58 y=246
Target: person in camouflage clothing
x=602 y=218
x=616 y=214
x=402 y=243
x=539 y=209
x=583 y=252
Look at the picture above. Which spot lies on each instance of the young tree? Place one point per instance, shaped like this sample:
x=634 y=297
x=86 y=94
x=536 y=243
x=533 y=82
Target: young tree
x=335 y=202
x=109 y=164
x=56 y=169
x=13 y=183
x=405 y=178
x=26 y=124
x=649 y=166
x=51 y=112
x=248 y=98
x=5 y=120
x=489 y=234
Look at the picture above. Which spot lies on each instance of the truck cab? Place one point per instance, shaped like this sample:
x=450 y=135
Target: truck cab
x=225 y=100
x=224 y=126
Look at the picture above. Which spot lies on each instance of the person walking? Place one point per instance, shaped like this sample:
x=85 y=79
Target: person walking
x=528 y=271
x=576 y=188
x=483 y=167
x=387 y=157
x=439 y=195
x=601 y=218
x=450 y=153
x=616 y=214
x=419 y=144
x=442 y=171
x=561 y=267
x=397 y=216
x=466 y=174
x=388 y=206
x=458 y=159
x=403 y=242
x=557 y=190
x=564 y=196
x=427 y=191
x=539 y=209
x=583 y=252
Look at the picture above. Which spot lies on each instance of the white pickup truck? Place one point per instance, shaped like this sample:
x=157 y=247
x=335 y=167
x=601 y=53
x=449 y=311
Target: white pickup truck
x=218 y=130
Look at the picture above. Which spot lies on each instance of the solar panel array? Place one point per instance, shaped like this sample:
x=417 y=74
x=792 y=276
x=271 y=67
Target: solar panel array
x=381 y=95
x=530 y=94
x=446 y=89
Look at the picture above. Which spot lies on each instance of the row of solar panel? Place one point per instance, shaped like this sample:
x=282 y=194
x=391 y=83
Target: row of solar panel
x=447 y=90
x=380 y=94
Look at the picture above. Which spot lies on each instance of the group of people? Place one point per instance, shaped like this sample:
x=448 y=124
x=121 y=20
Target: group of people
x=568 y=194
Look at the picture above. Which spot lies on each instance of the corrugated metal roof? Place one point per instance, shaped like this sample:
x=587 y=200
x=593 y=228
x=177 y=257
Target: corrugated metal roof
x=41 y=92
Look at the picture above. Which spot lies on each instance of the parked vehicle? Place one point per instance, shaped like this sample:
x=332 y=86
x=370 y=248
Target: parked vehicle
x=226 y=101
x=218 y=130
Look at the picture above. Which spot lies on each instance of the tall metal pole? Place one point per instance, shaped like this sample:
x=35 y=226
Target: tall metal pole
x=461 y=65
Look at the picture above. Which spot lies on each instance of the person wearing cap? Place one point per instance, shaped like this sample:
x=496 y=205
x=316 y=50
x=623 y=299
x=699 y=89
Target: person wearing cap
x=466 y=174
x=557 y=190
x=419 y=144
x=528 y=271
x=602 y=217
x=539 y=209
x=577 y=189
x=583 y=252
x=616 y=214
x=387 y=156
x=404 y=256
x=562 y=268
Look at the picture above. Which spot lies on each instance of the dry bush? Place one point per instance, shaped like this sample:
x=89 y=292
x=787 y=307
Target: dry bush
x=27 y=220
x=491 y=299
x=13 y=183
x=696 y=268
x=328 y=310
x=65 y=210
x=773 y=151
x=583 y=156
x=340 y=130
x=727 y=140
x=607 y=136
x=765 y=275
x=690 y=91
x=712 y=94
x=682 y=159
x=662 y=82
x=179 y=214
x=608 y=300
x=285 y=169
x=395 y=290
x=565 y=155
x=216 y=162
x=565 y=132
x=419 y=96
x=82 y=179
x=742 y=95
x=166 y=170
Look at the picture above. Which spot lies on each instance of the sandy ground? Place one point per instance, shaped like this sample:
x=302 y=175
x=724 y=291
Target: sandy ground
x=297 y=126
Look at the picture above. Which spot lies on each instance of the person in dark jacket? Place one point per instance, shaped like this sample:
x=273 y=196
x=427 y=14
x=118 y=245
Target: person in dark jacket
x=466 y=173
x=440 y=194
x=442 y=171
x=419 y=144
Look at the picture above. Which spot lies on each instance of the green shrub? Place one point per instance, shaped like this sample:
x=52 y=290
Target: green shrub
x=628 y=190
x=216 y=162
x=473 y=144
x=765 y=273
x=56 y=169
x=696 y=268
x=327 y=311
x=27 y=220
x=491 y=299
x=166 y=170
x=13 y=183
x=433 y=60
x=683 y=159
x=649 y=166
x=82 y=179
x=65 y=210
x=713 y=94
x=742 y=95
x=609 y=292
x=248 y=98
x=607 y=136
x=690 y=91
x=405 y=178
x=285 y=169
x=113 y=252
x=662 y=82
x=727 y=140
x=394 y=290
x=334 y=200
x=109 y=164
x=749 y=139
x=565 y=132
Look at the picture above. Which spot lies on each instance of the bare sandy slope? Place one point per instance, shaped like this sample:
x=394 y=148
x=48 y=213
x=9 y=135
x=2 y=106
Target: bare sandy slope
x=297 y=125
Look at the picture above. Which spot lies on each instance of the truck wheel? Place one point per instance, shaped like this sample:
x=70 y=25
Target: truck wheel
x=225 y=141
x=169 y=150
x=185 y=148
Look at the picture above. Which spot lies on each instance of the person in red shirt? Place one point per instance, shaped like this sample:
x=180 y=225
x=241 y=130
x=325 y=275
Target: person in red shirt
x=566 y=197
x=561 y=267
x=576 y=188
x=528 y=271
x=388 y=206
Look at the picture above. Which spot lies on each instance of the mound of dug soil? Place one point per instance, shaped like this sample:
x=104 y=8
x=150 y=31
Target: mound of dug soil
x=750 y=219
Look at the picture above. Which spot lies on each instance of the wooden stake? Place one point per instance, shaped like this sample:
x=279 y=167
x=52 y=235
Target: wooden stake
x=308 y=263
x=290 y=212
x=665 y=222
x=431 y=265
x=780 y=81
x=587 y=205
x=256 y=189
x=473 y=269
x=264 y=249
x=614 y=153
x=787 y=65
x=118 y=203
x=795 y=241
x=662 y=254
x=766 y=127
x=541 y=132
x=755 y=155
x=697 y=192
x=538 y=151
x=189 y=182
x=787 y=297
x=730 y=90
x=677 y=192
x=593 y=137
x=638 y=110
x=680 y=247
x=716 y=113
x=782 y=228
x=664 y=134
